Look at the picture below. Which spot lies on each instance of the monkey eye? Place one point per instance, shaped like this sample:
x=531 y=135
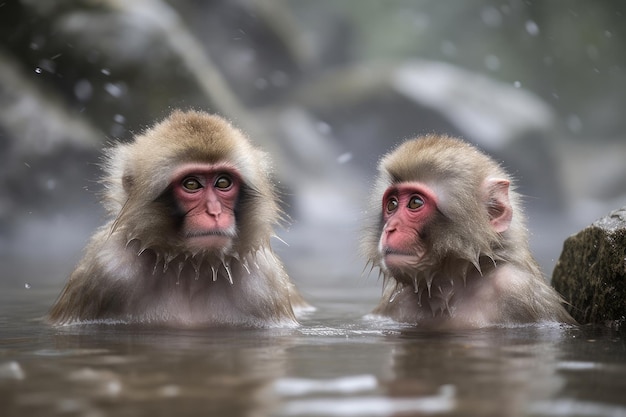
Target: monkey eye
x=392 y=204
x=415 y=202
x=223 y=182
x=191 y=184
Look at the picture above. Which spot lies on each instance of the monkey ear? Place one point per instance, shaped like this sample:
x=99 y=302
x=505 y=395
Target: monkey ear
x=498 y=204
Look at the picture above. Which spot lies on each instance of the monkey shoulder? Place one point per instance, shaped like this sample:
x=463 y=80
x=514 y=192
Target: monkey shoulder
x=506 y=296
x=524 y=296
x=100 y=285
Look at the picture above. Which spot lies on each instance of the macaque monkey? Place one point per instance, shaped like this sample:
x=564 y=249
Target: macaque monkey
x=450 y=241
x=192 y=212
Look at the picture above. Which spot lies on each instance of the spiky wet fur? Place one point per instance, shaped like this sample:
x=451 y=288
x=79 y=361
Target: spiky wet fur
x=463 y=249
x=138 y=268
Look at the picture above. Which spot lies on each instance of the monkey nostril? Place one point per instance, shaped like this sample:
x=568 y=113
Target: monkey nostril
x=391 y=225
x=390 y=229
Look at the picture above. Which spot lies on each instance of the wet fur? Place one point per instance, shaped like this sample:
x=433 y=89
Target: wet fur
x=471 y=276
x=137 y=267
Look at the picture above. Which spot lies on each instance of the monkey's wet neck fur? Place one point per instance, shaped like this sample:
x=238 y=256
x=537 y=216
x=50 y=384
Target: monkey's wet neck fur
x=432 y=290
x=151 y=286
x=188 y=265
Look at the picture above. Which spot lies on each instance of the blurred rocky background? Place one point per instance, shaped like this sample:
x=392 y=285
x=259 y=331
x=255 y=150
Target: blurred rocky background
x=326 y=87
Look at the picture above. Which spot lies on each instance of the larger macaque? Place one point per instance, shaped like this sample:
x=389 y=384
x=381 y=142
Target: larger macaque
x=192 y=212
x=448 y=235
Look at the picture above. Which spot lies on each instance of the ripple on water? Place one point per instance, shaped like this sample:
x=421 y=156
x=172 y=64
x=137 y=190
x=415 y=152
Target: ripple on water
x=363 y=404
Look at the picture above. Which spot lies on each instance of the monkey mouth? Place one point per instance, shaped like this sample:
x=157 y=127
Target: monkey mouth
x=212 y=232
x=397 y=259
x=213 y=239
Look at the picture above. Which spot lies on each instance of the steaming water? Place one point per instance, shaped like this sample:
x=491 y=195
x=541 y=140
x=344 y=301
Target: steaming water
x=336 y=364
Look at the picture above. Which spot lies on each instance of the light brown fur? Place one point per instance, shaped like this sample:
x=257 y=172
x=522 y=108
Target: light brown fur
x=472 y=275
x=138 y=268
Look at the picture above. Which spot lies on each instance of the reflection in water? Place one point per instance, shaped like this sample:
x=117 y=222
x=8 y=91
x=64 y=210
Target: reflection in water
x=336 y=364
x=496 y=371
x=153 y=371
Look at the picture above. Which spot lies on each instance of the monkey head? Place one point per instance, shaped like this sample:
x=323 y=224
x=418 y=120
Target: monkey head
x=191 y=184
x=440 y=204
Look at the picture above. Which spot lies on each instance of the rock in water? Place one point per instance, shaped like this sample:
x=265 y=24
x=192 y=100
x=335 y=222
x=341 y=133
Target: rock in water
x=591 y=272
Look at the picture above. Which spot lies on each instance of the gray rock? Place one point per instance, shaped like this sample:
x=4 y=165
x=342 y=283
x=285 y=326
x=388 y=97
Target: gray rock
x=591 y=272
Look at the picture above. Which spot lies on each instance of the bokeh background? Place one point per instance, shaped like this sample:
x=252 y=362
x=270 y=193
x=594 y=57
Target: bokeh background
x=325 y=86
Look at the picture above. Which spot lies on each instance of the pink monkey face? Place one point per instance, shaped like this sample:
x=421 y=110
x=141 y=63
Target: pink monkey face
x=207 y=195
x=406 y=208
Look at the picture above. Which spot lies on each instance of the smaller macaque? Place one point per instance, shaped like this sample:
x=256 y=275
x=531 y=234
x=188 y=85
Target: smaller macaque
x=192 y=212
x=450 y=241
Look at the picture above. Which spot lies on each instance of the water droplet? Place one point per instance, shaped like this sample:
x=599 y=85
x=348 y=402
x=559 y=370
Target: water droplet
x=228 y=274
x=115 y=89
x=51 y=184
x=344 y=158
x=105 y=71
x=27 y=286
x=83 y=90
x=532 y=28
x=118 y=118
x=38 y=70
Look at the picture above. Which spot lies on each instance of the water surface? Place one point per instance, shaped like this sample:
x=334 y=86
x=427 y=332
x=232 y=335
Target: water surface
x=335 y=364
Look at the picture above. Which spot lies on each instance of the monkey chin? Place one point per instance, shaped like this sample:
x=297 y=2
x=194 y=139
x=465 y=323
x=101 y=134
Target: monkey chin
x=400 y=262
x=211 y=240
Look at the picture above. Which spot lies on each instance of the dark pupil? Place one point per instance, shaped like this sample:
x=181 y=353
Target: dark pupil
x=223 y=182
x=191 y=184
x=392 y=204
x=416 y=203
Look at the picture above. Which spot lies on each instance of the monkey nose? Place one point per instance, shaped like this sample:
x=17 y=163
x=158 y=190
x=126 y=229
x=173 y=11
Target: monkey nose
x=214 y=208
